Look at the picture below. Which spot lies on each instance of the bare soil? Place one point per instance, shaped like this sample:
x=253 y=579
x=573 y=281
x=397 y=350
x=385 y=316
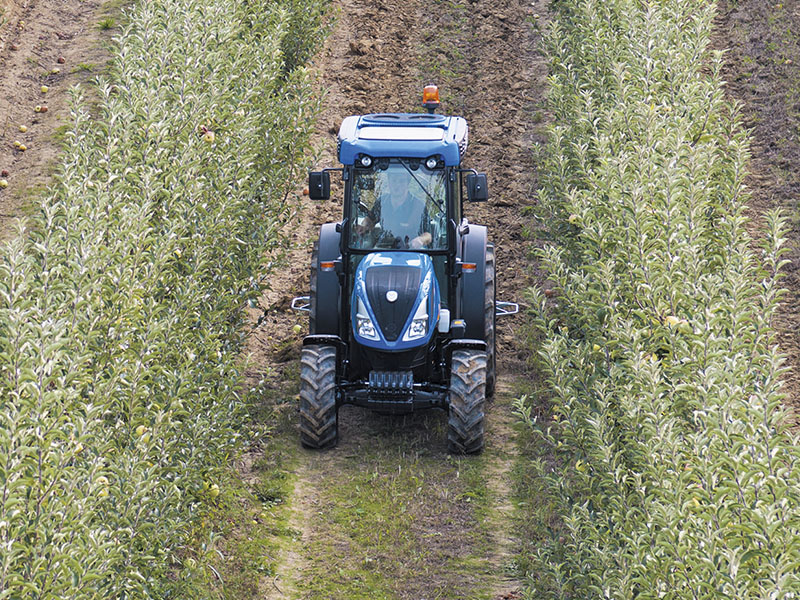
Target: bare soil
x=53 y=44
x=762 y=70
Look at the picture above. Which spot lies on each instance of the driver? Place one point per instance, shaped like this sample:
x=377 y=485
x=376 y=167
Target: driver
x=401 y=215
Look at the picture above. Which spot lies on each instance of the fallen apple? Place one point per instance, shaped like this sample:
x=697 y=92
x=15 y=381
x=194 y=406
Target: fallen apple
x=23 y=128
x=61 y=60
x=4 y=173
x=3 y=183
x=209 y=137
x=45 y=89
x=22 y=147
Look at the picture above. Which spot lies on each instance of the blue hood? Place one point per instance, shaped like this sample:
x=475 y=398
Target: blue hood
x=395 y=302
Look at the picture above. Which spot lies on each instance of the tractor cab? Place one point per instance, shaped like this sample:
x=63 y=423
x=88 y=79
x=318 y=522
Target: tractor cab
x=402 y=304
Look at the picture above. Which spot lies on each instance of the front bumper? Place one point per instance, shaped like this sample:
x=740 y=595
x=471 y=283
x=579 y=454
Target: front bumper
x=393 y=392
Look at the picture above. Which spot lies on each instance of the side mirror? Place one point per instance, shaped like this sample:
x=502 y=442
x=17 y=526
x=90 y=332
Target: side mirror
x=319 y=185
x=477 y=190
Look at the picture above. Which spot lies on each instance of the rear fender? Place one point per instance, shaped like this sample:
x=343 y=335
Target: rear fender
x=327 y=303
x=471 y=285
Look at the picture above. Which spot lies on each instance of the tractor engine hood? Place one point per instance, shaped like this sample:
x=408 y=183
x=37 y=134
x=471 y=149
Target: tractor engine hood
x=395 y=303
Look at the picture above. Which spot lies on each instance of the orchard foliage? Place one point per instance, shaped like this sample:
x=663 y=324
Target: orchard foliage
x=121 y=299
x=676 y=475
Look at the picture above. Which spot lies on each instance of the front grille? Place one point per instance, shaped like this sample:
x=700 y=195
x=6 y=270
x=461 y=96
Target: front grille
x=391 y=383
x=392 y=315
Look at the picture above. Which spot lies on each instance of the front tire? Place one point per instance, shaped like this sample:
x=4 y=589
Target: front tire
x=467 y=397
x=318 y=415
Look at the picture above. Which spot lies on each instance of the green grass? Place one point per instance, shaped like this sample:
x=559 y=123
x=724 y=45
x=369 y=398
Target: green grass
x=255 y=510
x=257 y=522
x=387 y=522
x=392 y=513
x=83 y=66
x=107 y=23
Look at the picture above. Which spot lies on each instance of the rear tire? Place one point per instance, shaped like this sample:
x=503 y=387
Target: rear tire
x=318 y=415
x=467 y=397
x=489 y=320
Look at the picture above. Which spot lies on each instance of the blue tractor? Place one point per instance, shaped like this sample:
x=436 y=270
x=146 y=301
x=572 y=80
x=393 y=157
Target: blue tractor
x=402 y=305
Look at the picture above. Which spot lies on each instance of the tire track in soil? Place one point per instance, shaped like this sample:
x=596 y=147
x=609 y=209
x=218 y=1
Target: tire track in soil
x=762 y=71
x=458 y=542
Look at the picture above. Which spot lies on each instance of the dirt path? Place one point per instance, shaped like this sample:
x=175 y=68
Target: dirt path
x=52 y=44
x=388 y=513
x=762 y=68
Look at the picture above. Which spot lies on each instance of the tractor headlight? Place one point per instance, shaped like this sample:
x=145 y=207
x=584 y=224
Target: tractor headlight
x=419 y=324
x=418 y=329
x=364 y=326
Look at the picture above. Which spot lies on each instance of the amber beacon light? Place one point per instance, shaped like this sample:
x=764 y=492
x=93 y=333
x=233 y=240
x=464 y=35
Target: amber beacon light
x=430 y=98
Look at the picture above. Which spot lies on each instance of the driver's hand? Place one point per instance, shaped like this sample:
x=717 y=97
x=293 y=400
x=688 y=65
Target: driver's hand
x=421 y=241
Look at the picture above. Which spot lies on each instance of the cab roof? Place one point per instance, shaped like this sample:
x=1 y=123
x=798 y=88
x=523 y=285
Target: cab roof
x=403 y=135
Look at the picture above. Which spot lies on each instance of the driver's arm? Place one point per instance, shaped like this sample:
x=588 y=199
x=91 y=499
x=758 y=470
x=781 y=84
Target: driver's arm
x=424 y=238
x=372 y=217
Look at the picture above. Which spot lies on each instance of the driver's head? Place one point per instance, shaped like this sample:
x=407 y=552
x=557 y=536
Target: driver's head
x=398 y=183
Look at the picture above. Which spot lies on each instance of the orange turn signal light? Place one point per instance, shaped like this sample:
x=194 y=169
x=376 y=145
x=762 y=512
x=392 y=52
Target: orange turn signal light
x=469 y=267
x=327 y=265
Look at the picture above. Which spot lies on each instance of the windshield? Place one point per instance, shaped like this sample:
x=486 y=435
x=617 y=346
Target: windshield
x=399 y=204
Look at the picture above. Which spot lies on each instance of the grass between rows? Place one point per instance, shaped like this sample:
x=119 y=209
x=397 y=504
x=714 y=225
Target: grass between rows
x=387 y=514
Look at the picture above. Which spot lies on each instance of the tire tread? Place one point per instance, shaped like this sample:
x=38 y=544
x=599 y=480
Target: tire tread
x=467 y=397
x=318 y=414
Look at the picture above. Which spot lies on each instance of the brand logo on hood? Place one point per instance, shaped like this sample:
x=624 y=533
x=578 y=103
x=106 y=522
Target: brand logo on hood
x=391 y=296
